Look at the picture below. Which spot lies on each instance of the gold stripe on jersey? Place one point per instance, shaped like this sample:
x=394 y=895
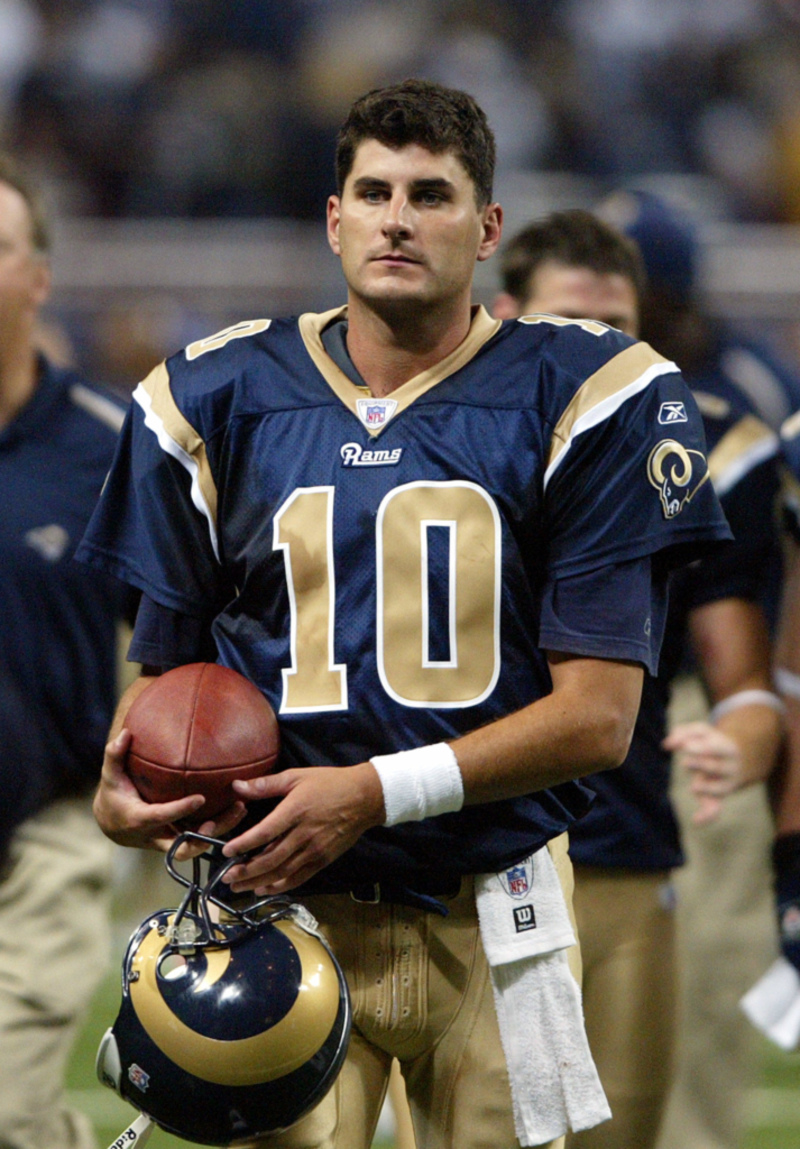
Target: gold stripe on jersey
x=791 y=427
x=482 y=328
x=181 y=432
x=635 y=365
x=748 y=442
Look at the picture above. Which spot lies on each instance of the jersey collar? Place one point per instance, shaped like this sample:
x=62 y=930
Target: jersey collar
x=311 y=325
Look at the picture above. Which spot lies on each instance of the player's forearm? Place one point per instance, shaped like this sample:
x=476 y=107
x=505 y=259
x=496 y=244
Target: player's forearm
x=585 y=725
x=786 y=792
x=757 y=730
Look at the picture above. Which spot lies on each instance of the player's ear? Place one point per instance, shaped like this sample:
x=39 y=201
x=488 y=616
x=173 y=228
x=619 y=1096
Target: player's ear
x=492 y=230
x=505 y=306
x=41 y=281
x=334 y=215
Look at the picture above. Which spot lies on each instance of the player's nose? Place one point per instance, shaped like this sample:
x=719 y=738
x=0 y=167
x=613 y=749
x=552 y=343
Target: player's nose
x=397 y=223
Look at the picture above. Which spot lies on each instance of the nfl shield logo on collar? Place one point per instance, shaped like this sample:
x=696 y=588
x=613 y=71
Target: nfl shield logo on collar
x=375 y=413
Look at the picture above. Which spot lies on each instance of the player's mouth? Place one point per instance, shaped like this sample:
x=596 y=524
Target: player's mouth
x=396 y=259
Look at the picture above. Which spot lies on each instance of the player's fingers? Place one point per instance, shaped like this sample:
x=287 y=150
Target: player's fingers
x=116 y=752
x=165 y=813
x=275 y=858
x=719 y=765
x=224 y=822
x=267 y=786
x=281 y=860
x=708 y=809
x=277 y=823
x=684 y=733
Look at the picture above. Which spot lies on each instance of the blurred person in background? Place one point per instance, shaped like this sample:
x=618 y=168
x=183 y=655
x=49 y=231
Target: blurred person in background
x=725 y=917
x=57 y=693
x=624 y=850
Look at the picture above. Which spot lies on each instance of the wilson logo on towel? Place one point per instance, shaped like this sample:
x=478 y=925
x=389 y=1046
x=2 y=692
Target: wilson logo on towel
x=524 y=918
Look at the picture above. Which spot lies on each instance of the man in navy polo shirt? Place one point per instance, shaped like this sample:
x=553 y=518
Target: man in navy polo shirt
x=57 y=693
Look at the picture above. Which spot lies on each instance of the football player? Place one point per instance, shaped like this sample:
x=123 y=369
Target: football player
x=624 y=850
x=724 y=899
x=439 y=543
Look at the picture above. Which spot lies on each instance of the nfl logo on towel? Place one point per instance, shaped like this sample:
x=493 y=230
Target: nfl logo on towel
x=518 y=879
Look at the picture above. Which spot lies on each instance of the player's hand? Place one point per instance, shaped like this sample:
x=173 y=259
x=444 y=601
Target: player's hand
x=714 y=762
x=323 y=811
x=125 y=817
x=786 y=866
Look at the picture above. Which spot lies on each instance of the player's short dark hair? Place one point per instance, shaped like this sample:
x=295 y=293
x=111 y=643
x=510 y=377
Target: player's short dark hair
x=13 y=174
x=430 y=115
x=575 y=238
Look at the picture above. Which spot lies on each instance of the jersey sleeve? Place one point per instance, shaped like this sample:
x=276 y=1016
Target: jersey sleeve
x=154 y=524
x=616 y=611
x=627 y=474
x=167 y=638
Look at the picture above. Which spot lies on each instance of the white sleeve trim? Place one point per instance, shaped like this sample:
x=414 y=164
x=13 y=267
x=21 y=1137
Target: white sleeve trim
x=154 y=423
x=606 y=408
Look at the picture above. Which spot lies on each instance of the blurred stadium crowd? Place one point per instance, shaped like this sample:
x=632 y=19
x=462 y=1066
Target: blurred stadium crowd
x=185 y=146
x=195 y=108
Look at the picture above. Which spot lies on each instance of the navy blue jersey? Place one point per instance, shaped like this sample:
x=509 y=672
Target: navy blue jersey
x=376 y=566
x=58 y=633
x=632 y=823
x=768 y=384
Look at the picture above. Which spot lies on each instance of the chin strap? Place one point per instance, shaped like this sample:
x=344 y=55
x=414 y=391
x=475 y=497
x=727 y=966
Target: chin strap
x=137 y=1134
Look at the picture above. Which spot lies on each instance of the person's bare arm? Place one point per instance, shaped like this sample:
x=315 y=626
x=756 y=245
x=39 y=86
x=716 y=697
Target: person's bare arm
x=740 y=745
x=584 y=725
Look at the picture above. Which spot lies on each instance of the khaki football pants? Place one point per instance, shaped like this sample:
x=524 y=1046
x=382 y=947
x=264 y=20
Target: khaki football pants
x=627 y=934
x=54 y=951
x=421 y=992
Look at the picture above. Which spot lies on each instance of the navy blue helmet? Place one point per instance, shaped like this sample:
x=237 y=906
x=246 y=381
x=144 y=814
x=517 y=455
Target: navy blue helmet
x=234 y=1022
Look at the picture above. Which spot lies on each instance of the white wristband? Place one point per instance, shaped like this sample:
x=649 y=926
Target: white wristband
x=419 y=783
x=746 y=698
x=787 y=682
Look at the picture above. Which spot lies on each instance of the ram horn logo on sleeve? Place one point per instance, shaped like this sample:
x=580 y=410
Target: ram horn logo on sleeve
x=677 y=474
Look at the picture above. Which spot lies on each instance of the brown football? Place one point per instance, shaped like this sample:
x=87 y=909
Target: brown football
x=195 y=729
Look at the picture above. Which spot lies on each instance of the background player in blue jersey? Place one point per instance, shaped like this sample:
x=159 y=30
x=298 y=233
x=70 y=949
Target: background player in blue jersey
x=724 y=890
x=574 y=264
x=439 y=544
x=57 y=694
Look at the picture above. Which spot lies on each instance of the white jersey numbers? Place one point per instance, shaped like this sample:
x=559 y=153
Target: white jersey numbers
x=438 y=551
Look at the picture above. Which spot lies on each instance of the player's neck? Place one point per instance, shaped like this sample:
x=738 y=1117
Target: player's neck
x=18 y=376
x=390 y=349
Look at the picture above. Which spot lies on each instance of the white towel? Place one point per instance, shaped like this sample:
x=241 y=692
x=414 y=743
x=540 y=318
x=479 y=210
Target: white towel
x=525 y=930
x=773 y=1004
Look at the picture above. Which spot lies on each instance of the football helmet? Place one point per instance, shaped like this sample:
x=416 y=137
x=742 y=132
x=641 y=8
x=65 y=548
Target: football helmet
x=234 y=1021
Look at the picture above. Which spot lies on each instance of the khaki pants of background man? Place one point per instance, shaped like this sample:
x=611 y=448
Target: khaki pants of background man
x=726 y=940
x=54 y=949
